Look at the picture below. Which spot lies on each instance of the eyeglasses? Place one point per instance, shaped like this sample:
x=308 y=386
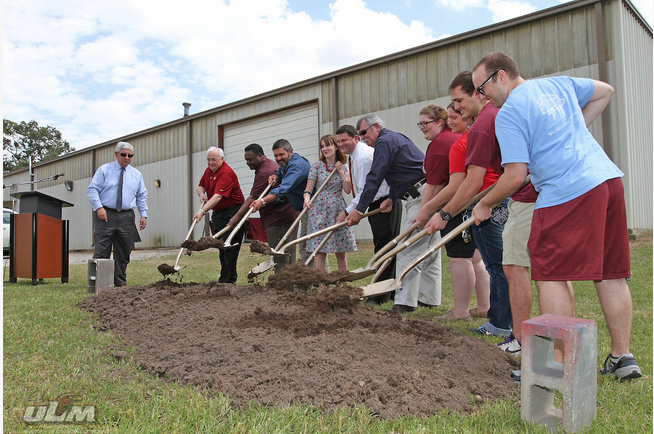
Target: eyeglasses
x=479 y=89
x=363 y=132
x=424 y=124
x=122 y=154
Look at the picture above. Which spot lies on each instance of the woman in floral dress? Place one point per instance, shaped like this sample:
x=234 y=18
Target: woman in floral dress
x=329 y=203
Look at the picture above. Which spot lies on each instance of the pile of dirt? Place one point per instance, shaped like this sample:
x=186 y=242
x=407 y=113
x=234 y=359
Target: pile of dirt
x=203 y=243
x=278 y=346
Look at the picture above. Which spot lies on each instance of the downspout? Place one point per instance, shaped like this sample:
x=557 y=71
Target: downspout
x=603 y=76
x=189 y=163
x=334 y=104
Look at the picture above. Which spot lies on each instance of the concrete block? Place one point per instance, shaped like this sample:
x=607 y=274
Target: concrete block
x=576 y=378
x=100 y=275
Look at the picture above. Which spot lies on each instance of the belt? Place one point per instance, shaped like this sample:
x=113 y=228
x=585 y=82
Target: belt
x=114 y=209
x=417 y=185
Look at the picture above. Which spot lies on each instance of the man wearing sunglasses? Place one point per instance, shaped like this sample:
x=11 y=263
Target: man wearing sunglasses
x=115 y=190
x=579 y=228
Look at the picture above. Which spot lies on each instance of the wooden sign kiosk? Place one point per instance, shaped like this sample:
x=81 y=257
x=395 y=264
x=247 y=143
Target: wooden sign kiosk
x=38 y=238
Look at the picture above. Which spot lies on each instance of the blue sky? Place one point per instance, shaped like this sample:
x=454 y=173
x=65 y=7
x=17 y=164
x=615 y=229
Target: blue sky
x=101 y=70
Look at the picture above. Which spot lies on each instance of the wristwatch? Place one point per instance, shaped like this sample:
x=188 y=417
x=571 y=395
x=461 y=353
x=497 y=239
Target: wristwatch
x=263 y=203
x=445 y=215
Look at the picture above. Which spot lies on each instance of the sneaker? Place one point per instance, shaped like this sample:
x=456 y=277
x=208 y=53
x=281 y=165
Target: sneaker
x=625 y=367
x=516 y=375
x=449 y=316
x=481 y=331
x=510 y=345
x=476 y=314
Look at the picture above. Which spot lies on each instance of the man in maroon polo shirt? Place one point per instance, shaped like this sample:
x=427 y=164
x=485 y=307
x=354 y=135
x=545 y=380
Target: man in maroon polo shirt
x=220 y=191
x=275 y=217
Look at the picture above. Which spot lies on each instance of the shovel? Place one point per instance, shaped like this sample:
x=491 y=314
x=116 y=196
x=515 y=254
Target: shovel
x=265 y=266
x=389 y=285
x=378 y=288
x=228 y=241
x=320 y=246
x=320 y=232
x=373 y=265
x=181 y=250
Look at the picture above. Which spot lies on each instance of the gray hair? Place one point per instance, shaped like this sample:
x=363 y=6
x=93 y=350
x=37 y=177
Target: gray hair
x=124 y=145
x=371 y=119
x=221 y=153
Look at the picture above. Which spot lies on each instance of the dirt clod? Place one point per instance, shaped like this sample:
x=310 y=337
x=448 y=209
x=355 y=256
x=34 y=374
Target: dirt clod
x=203 y=243
x=166 y=269
x=259 y=247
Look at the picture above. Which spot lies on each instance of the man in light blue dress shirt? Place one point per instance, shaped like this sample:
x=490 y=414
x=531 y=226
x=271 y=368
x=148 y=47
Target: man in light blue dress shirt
x=114 y=213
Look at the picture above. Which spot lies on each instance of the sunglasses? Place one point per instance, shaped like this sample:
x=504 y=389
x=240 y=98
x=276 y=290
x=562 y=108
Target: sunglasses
x=363 y=132
x=122 y=154
x=479 y=89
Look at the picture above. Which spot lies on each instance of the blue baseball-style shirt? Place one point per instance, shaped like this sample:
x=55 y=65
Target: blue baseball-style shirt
x=292 y=180
x=102 y=191
x=398 y=161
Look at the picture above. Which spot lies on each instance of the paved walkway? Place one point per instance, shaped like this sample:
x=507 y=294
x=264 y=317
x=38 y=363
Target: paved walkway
x=82 y=256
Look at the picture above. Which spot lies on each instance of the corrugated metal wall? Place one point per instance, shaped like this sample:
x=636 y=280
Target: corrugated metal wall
x=632 y=112
x=562 y=41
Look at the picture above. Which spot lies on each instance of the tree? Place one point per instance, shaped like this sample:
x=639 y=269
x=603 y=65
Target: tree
x=27 y=139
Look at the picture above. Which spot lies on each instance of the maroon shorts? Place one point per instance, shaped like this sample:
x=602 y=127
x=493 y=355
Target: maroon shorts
x=583 y=239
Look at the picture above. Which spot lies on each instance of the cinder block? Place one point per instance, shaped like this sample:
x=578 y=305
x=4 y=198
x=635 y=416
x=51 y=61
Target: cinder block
x=100 y=275
x=576 y=378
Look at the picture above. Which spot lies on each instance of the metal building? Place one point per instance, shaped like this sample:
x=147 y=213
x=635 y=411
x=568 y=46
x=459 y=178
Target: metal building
x=601 y=39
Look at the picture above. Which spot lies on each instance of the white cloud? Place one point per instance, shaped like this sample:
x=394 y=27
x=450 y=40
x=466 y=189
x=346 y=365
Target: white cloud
x=99 y=70
x=506 y=9
x=462 y=4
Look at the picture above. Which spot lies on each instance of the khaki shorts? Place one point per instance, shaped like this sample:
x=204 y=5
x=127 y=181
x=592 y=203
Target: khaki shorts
x=516 y=234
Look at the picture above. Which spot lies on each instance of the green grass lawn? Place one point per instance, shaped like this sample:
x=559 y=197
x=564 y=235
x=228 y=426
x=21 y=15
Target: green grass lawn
x=50 y=348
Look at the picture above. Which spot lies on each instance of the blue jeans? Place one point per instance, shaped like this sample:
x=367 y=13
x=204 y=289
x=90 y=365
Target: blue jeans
x=488 y=237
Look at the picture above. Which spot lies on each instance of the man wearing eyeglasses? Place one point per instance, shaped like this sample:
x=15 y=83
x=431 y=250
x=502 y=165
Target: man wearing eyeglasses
x=483 y=151
x=579 y=228
x=398 y=161
x=115 y=190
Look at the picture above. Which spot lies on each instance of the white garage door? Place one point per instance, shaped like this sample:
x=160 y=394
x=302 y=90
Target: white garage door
x=298 y=125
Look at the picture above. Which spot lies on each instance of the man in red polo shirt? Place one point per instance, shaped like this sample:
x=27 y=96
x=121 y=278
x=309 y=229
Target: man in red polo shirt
x=220 y=191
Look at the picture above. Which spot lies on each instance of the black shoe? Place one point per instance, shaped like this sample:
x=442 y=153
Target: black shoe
x=624 y=368
x=428 y=306
x=401 y=308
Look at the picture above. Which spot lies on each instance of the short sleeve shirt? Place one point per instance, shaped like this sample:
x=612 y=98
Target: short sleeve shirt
x=225 y=183
x=437 y=163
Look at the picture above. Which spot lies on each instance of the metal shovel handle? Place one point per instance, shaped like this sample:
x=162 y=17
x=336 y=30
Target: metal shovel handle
x=325 y=230
x=304 y=211
x=245 y=217
x=181 y=249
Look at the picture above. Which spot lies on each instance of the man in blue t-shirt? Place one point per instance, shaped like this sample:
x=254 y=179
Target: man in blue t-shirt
x=579 y=227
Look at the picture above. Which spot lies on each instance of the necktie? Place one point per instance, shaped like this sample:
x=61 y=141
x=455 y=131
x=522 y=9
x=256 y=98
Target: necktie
x=354 y=193
x=119 y=199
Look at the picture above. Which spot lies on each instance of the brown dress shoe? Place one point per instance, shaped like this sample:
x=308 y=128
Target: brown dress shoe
x=476 y=314
x=401 y=308
x=449 y=316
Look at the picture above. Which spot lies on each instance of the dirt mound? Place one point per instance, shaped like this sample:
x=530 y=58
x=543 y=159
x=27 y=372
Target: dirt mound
x=203 y=243
x=318 y=347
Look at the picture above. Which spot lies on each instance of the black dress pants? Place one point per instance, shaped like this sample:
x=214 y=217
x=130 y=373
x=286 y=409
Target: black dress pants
x=228 y=257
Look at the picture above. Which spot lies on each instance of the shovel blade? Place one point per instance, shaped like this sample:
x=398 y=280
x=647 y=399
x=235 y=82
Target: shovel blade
x=261 y=268
x=357 y=274
x=379 y=288
x=178 y=268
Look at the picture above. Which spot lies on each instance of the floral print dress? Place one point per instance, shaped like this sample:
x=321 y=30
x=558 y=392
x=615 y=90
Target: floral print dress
x=325 y=209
